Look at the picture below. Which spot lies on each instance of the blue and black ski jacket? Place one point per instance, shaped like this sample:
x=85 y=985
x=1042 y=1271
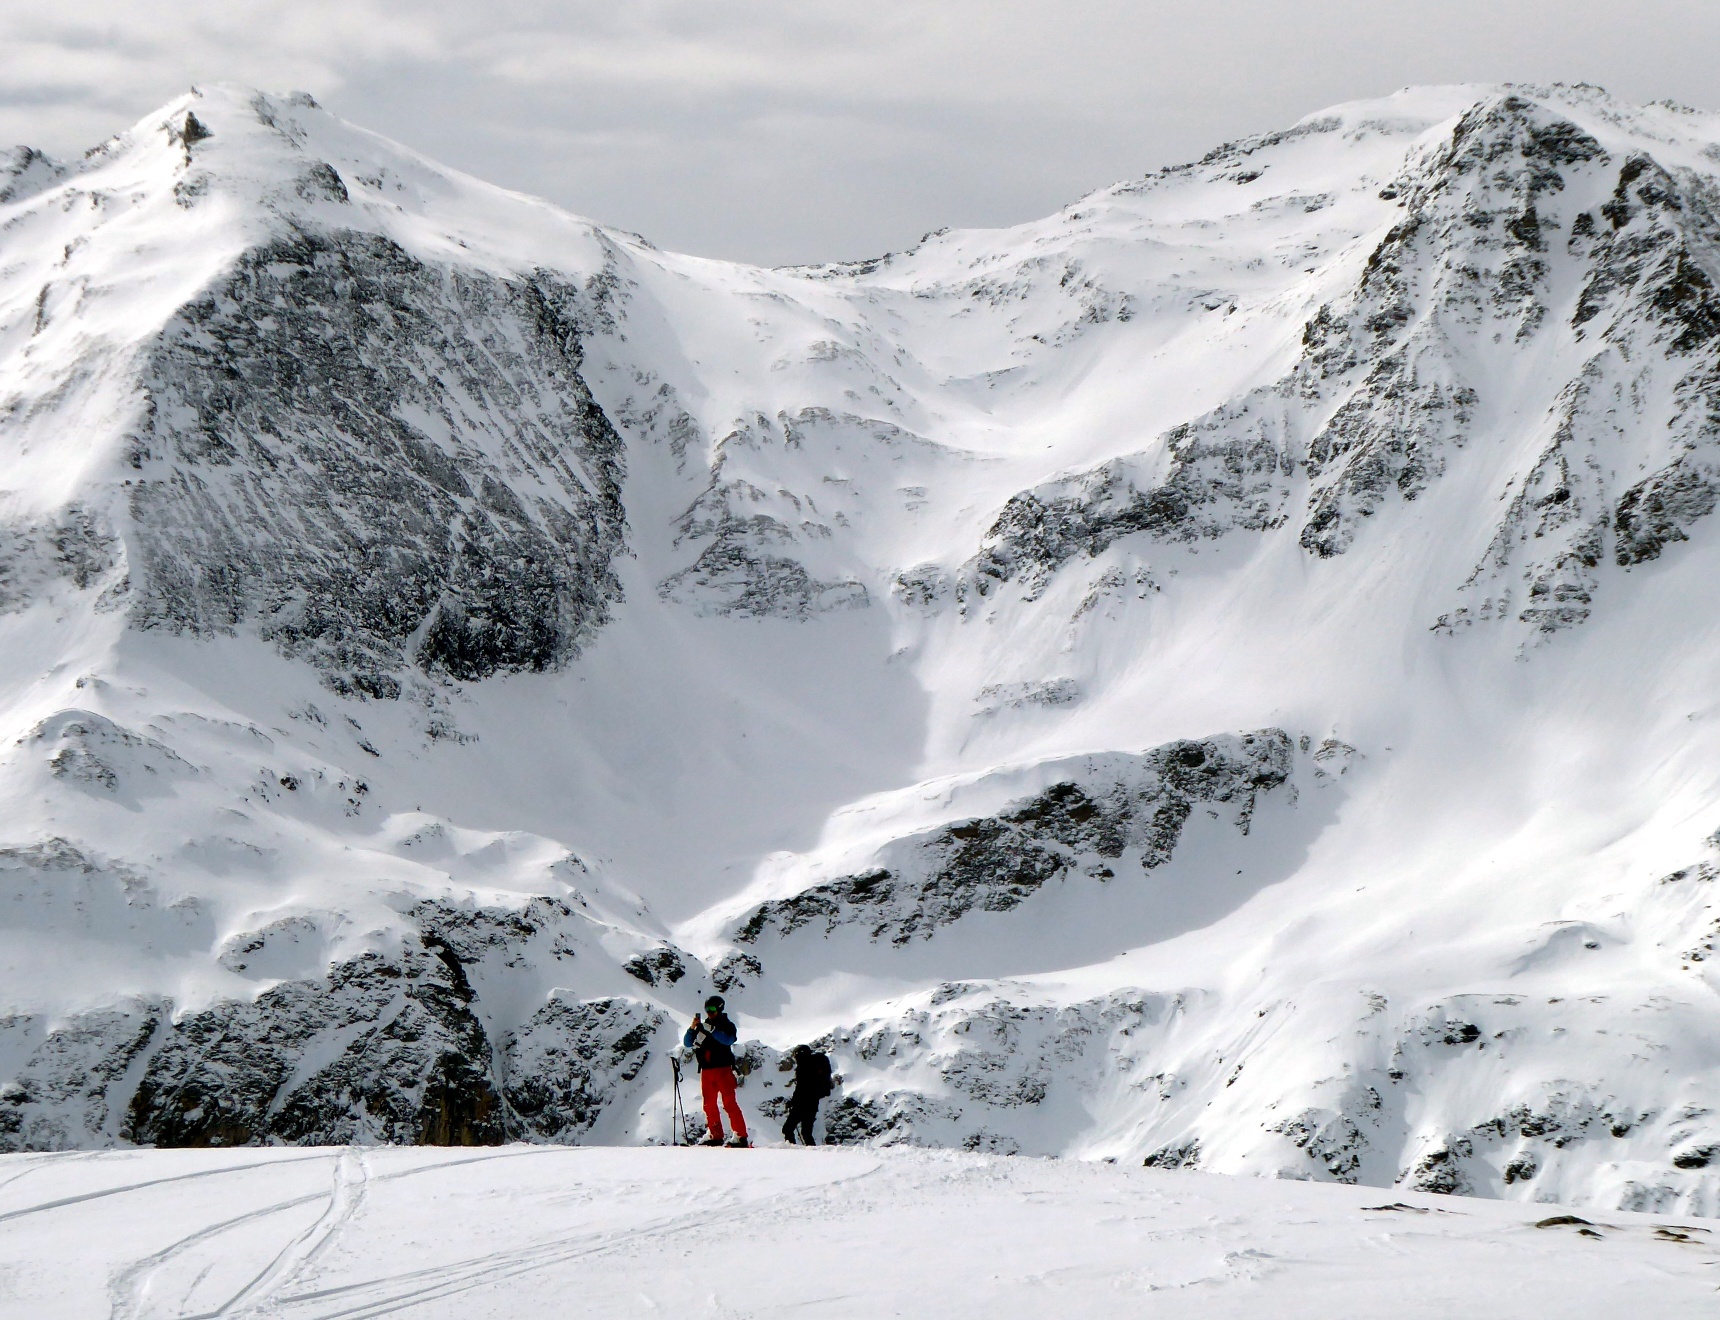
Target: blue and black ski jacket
x=712 y=1041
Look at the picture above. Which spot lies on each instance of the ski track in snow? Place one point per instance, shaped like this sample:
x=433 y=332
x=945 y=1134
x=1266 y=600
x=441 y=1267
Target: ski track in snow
x=130 y=1187
x=731 y=1215
x=351 y=1175
x=266 y=1292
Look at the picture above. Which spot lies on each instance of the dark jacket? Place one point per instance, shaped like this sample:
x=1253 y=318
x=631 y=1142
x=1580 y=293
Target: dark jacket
x=812 y=1077
x=712 y=1041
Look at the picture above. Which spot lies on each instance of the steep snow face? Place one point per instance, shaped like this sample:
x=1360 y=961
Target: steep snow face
x=1219 y=676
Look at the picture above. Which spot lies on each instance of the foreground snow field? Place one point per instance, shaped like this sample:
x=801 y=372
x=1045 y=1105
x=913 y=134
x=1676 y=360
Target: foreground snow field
x=528 y=1231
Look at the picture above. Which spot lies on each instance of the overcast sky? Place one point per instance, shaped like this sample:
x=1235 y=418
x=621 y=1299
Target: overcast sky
x=801 y=130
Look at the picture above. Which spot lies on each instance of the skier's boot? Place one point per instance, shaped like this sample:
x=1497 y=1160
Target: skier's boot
x=710 y=1140
x=739 y=1143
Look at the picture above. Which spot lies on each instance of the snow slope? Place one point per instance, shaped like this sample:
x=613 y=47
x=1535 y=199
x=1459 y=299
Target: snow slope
x=535 y=1231
x=1221 y=676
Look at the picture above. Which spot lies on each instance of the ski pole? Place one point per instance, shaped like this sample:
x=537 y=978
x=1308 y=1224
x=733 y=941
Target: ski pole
x=677 y=1115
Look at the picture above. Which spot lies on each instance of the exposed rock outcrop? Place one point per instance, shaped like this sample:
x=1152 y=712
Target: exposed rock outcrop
x=1125 y=813
x=377 y=462
x=390 y=1046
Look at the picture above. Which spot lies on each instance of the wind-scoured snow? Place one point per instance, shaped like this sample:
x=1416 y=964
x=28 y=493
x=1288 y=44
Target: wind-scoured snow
x=1219 y=677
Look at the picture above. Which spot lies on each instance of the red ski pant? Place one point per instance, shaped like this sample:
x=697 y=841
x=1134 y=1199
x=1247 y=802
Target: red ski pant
x=719 y=1084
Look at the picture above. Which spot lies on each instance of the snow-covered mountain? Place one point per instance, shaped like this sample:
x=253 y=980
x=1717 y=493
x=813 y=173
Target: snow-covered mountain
x=1222 y=676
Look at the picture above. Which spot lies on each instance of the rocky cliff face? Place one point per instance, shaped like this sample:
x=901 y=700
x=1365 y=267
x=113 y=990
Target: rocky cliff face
x=1119 y=816
x=1387 y=385
x=377 y=463
x=448 y=639
x=397 y=1044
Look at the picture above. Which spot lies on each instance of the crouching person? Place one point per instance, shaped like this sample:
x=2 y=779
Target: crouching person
x=712 y=1038
x=812 y=1082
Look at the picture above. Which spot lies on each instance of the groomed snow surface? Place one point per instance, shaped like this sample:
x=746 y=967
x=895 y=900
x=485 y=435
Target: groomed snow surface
x=528 y=1231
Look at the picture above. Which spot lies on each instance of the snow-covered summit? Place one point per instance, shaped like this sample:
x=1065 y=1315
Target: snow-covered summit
x=1218 y=676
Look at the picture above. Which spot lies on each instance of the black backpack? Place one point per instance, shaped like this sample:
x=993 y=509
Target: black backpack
x=818 y=1083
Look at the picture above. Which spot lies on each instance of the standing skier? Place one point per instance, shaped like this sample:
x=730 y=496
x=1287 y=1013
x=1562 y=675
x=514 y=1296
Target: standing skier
x=812 y=1082
x=712 y=1040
